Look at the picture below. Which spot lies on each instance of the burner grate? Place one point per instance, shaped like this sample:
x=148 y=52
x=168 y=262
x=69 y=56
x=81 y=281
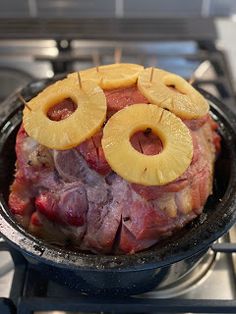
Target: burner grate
x=7 y=306
x=127 y=305
x=32 y=292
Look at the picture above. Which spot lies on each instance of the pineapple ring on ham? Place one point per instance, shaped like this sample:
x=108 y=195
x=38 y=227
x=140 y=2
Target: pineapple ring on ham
x=172 y=92
x=132 y=165
x=111 y=76
x=83 y=123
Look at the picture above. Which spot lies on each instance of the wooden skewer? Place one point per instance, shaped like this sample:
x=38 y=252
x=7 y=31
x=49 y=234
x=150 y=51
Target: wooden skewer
x=151 y=76
x=96 y=61
x=23 y=101
x=153 y=65
x=79 y=78
x=117 y=55
x=192 y=80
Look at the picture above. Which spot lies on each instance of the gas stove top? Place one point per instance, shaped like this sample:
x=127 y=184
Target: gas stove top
x=22 y=61
x=210 y=286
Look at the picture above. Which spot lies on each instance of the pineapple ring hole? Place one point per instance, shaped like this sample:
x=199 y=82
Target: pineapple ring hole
x=176 y=84
x=173 y=88
x=146 y=142
x=62 y=110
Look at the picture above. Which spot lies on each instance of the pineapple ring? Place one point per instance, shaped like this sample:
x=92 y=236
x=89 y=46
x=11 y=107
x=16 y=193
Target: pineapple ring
x=84 y=122
x=112 y=76
x=135 y=167
x=185 y=101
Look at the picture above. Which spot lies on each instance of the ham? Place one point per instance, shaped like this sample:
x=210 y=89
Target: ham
x=118 y=99
x=67 y=205
x=92 y=152
x=146 y=142
x=195 y=124
x=73 y=196
x=62 y=110
x=104 y=218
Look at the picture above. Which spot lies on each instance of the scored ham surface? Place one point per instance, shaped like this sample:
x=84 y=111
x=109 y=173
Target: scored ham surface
x=73 y=197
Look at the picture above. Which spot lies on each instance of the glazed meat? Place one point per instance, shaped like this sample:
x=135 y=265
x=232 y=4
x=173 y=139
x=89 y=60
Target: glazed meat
x=72 y=197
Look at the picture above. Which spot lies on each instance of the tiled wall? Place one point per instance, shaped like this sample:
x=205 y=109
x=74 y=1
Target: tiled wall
x=116 y=8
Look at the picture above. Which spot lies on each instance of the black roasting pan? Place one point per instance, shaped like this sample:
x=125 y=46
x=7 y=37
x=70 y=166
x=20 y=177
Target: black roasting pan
x=123 y=274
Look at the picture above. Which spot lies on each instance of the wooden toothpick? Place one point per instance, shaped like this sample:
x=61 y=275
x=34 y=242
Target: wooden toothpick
x=23 y=101
x=153 y=65
x=117 y=55
x=192 y=80
x=151 y=76
x=79 y=78
x=96 y=61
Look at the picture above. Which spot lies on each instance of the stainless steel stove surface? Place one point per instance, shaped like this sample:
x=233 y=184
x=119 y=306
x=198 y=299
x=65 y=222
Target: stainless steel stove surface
x=213 y=278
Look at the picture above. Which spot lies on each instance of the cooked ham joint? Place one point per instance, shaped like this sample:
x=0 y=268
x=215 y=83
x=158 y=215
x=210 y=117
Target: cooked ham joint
x=73 y=197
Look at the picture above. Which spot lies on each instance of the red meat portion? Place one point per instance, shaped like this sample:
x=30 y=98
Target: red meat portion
x=195 y=124
x=146 y=142
x=20 y=205
x=62 y=110
x=104 y=219
x=153 y=192
x=93 y=153
x=21 y=202
x=65 y=206
x=145 y=222
x=117 y=99
x=35 y=220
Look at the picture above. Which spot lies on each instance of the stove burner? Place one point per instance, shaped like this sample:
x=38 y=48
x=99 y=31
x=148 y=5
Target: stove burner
x=196 y=276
